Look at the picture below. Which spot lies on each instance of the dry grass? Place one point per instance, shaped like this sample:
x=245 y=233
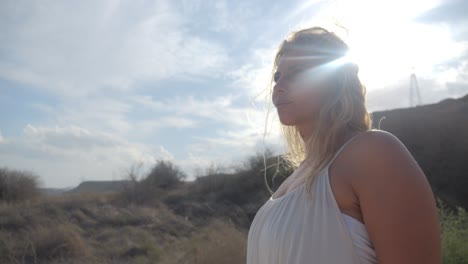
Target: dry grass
x=219 y=242
x=165 y=238
x=94 y=229
x=43 y=244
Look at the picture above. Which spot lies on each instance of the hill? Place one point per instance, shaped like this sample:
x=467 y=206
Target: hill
x=437 y=137
x=99 y=186
x=54 y=191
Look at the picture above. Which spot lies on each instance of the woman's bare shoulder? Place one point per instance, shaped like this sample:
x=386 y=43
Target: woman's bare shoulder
x=396 y=200
x=381 y=156
x=378 y=144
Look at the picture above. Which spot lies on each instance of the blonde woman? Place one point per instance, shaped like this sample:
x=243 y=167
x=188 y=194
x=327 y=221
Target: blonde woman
x=356 y=195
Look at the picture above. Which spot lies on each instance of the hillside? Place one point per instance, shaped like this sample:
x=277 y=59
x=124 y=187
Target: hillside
x=54 y=191
x=99 y=186
x=437 y=137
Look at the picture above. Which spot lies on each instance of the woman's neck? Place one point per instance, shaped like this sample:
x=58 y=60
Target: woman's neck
x=305 y=131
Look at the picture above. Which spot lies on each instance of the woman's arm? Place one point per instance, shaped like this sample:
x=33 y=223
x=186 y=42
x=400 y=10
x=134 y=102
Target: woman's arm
x=397 y=202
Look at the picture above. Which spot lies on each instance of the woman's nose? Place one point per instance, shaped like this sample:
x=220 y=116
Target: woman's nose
x=278 y=90
x=279 y=86
x=275 y=90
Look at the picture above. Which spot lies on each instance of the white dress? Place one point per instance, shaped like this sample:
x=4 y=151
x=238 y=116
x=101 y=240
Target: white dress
x=292 y=229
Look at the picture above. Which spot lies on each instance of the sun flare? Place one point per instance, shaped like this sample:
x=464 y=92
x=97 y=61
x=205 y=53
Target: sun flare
x=387 y=41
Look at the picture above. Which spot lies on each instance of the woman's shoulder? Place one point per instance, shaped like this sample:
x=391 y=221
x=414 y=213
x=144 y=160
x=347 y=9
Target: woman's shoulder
x=378 y=142
x=368 y=147
x=379 y=135
x=380 y=156
x=394 y=192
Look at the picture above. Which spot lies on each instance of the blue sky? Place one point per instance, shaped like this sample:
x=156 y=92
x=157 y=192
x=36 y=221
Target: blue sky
x=90 y=88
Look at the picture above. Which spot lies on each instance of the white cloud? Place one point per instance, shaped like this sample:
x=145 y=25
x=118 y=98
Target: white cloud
x=150 y=127
x=254 y=76
x=185 y=105
x=219 y=108
x=168 y=122
x=247 y=122
x=70 y=138
x=165 y=154
x=77 y=50
x=115 y=115
x=1 y=138
x=99 y=113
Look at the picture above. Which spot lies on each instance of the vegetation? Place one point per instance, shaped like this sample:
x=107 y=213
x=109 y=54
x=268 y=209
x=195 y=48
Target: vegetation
x=162 y=177
x=17 y=185
x=454 y=234
x=190 y=224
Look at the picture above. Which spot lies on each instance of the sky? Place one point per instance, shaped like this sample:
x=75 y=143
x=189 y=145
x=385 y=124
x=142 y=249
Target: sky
x=89 y=89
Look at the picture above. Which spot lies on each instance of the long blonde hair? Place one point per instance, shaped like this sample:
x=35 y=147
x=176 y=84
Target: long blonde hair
x=343 y=108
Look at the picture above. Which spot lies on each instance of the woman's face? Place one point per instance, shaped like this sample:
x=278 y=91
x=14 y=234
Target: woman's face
x=298 y=90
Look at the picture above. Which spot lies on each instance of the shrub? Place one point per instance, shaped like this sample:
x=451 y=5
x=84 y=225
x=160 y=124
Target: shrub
x=164 y=175
x=454 y=234
x=17 y=186
x=248 y=183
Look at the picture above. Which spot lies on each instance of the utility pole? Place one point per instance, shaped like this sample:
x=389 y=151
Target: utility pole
x=414 y=91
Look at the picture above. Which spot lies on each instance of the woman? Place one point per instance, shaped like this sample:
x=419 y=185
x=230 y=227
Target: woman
x=356 y=195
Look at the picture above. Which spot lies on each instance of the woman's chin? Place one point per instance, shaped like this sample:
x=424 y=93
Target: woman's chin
x=287 y=121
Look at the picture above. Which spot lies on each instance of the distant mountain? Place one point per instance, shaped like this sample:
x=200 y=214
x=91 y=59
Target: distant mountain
x=54 y=191
x=437 y=137
x=99 y=186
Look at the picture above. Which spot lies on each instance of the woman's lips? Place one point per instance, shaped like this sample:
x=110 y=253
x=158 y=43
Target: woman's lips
x=281 y=103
